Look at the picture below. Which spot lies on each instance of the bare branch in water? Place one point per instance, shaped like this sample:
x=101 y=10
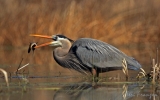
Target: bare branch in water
x=23 y=66
x=5 y=76
x=19 y=66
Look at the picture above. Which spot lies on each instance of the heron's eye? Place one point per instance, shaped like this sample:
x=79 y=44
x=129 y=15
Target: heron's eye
x=55 y=38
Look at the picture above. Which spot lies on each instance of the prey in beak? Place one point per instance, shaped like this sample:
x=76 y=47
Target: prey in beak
x=32 y=47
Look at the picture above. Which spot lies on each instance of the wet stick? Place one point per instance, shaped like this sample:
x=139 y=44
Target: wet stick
x=154 y=69
x=5 y=76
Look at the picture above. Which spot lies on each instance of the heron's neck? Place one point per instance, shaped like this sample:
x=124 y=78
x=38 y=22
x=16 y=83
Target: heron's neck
x=62 y=51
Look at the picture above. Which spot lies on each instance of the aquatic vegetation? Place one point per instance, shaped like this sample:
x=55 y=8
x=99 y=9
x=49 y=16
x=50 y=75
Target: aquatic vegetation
x=23 y=75
x=155 y=72
x=125 y=68
x=141 y=74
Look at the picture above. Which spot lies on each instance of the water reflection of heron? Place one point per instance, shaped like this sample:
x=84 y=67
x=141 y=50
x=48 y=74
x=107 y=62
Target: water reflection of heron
x=85 y=91
x=86 y=54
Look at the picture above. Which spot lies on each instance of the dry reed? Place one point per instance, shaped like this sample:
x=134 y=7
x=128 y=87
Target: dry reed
x=5 y=76
x=125 y=68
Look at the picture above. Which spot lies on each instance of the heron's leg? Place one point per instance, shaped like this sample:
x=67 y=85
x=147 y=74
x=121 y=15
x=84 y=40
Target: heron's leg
x=95 y=75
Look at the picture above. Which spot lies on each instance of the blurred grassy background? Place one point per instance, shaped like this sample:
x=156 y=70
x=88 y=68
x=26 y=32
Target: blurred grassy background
x=132 y=26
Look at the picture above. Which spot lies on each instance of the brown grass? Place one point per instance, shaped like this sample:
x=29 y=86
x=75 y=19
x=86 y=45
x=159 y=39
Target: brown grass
x=132 y=26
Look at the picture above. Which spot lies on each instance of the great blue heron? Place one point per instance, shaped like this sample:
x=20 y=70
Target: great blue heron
x=86 y=54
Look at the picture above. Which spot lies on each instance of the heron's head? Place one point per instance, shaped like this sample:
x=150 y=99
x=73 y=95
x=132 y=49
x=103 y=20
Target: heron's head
x=57 y=40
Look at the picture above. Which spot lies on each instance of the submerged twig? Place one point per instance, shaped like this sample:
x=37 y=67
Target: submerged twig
x=23 y=66
x=19 y=66
x=5 y=76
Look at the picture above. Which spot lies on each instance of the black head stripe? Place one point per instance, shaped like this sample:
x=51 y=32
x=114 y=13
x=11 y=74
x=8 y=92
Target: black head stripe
x=62 y=36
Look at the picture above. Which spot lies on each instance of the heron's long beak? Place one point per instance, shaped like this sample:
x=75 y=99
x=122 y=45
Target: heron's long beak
x=53 y=43
x=41 y=36
x=42 y=45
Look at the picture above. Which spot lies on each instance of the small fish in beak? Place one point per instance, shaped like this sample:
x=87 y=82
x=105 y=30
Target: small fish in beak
x=32 y=47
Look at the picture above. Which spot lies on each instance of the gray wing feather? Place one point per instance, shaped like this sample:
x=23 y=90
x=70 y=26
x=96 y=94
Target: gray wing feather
x=95 y=53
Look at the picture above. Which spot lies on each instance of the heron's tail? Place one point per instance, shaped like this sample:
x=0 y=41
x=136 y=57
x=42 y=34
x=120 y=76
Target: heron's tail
x=133 y=64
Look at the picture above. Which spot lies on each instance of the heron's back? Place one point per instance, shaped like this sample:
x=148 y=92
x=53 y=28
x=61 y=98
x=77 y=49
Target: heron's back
x=94 y=53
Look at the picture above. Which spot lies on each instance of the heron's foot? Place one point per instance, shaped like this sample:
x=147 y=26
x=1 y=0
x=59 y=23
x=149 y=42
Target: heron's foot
x=95 y=79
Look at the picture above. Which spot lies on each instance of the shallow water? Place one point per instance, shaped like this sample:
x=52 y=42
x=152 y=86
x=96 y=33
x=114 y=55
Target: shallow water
x=75 y=88
x=43 y=79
